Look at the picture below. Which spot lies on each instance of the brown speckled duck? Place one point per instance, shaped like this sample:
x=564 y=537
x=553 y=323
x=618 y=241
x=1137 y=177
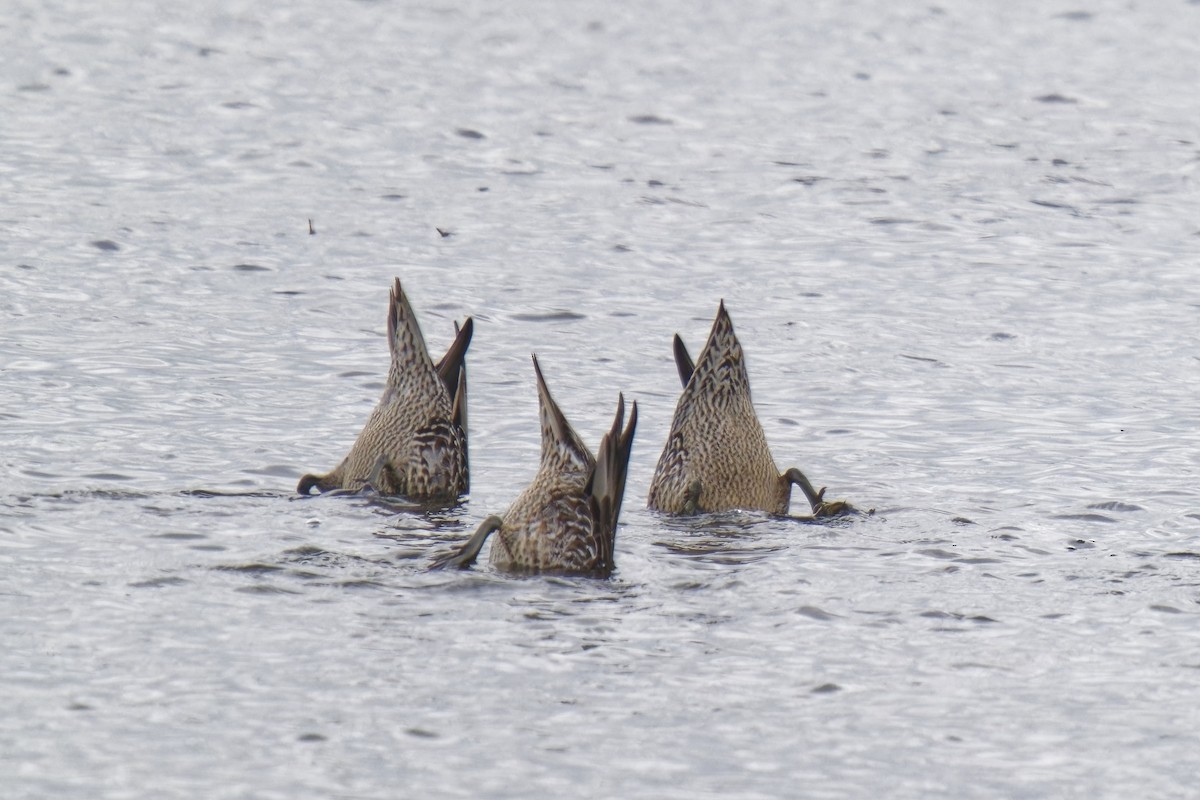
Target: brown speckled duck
x=716 y=457
x=565 y=521
x=415 y=441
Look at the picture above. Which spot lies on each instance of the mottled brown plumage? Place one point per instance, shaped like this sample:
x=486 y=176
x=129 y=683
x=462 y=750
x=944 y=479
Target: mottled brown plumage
x=566 y=519
x=415 y=441
x=716 y=457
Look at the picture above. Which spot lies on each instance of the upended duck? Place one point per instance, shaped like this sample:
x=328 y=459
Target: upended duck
x=415 y=441
x=565 y=521
x=716 y=457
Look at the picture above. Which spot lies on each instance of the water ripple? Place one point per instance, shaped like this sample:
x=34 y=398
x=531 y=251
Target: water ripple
x=960 y=257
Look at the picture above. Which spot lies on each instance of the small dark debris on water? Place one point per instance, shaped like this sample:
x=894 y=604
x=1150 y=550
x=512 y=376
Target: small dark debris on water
x=106 y=244
x=826 y=688
x=392 y=196
x=962 y=521
x=808 y=180
x=1055 y=97
x=251 y=268
x=483 y=189
x=1000 y=336
x=1060 y=162
x=311 y=230
x=654 y=183
x=445 y=232
x=926 y=359
x=468 y=133
x=311 y=737
x=421 y=733
x=650 y=119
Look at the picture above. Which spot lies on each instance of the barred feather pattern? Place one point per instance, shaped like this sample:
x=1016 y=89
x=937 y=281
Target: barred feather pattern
x=414 y=443
x=565 y=521
x=716 y=443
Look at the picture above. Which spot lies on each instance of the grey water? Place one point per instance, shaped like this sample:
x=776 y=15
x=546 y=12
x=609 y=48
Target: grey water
x=959 y=242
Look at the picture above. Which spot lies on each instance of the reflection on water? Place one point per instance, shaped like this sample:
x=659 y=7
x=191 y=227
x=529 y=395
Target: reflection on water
x=959 y=244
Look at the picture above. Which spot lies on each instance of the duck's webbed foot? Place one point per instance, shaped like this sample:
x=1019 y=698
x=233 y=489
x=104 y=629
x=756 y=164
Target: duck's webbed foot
x=816 y=498
x=833 y=508
x=465 y=556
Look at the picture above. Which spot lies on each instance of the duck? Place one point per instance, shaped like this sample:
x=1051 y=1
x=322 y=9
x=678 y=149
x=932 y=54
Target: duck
x=414 y=443
x=565 y=520
x=716 y=457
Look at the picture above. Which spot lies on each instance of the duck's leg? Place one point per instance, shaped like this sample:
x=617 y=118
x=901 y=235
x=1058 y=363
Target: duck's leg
x=800 y=479
x=816 y=499
x=465 y=556
x=310 y=481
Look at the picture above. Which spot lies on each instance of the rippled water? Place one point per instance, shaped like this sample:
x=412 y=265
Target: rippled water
x=959 y=243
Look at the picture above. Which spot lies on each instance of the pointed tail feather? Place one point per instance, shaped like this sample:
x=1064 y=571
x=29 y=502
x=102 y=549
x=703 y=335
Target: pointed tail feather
x=620 y=461
x=606 y=488
x=404 y=335
x=453 y=363
x=683 y=362
x=459 y=417
x=558 y=437
x=452 y=369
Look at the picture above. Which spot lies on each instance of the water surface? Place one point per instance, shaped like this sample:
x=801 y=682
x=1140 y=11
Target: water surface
x=958 y=244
